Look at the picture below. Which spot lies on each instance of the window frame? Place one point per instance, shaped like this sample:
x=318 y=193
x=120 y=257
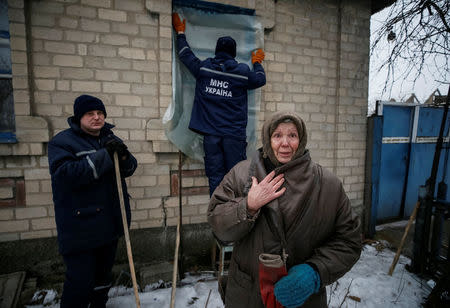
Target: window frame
x=7 y=115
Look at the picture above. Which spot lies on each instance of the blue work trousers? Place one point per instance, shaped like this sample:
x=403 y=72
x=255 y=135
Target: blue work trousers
x=88 y=277
x=221 y=154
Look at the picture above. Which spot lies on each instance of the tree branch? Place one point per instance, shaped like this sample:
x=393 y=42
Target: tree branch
x=440 y=13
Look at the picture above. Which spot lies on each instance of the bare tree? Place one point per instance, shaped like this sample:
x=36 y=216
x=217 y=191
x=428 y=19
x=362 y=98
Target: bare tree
x=418 y=34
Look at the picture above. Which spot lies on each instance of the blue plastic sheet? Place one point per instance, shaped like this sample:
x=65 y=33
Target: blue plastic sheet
x=202 y=31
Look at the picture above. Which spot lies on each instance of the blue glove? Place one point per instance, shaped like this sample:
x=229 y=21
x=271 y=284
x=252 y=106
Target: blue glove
x=295 y=288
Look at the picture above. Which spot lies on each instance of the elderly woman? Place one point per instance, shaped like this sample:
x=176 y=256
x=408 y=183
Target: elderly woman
x=282 y=203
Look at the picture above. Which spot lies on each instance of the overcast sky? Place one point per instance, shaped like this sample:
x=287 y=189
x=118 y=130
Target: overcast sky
x=402 y=88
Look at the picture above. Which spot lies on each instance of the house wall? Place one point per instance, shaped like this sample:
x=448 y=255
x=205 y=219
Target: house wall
x=316 y=64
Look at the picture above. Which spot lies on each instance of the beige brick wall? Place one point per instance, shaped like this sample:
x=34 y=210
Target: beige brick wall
x=121 y=51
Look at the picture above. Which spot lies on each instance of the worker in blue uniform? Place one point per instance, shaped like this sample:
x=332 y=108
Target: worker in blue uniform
x=220 y=106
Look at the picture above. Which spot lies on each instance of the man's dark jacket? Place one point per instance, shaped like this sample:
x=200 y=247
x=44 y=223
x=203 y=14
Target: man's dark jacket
x=220 y=103
x=87 y=206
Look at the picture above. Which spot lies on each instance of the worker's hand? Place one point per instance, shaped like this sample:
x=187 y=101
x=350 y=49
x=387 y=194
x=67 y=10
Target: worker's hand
x=114 y=145
x=265 y=191
x=258 y=56
x=178 y=25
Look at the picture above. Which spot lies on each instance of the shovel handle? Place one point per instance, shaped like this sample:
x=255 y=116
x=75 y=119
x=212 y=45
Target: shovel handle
x=125 y=228
x=402 y=242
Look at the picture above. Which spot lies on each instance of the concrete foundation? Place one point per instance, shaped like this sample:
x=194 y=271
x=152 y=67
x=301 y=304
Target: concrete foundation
x=40 y=259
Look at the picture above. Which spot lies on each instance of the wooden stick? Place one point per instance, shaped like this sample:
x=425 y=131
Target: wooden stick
x=402 y=242
x=180 y=215
x=178 y=240
x=125 y=229
x=207 y=300
x=175 y=267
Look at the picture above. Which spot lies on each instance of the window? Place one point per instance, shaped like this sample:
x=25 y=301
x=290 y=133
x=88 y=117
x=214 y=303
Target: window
x=203 y=21
x=7 y=123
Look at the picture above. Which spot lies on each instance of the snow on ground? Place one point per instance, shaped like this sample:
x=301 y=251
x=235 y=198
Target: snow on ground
x=368 y=281
x=193 y=294
x=367 y=285
x=395 y=224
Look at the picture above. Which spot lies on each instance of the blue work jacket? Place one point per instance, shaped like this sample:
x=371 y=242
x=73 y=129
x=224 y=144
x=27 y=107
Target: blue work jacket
x=85 y=195
x=220 y=103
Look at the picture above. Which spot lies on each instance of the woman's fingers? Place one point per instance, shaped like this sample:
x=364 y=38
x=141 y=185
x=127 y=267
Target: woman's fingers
x=275 y=194
x=270 y=183
x=278 y=184
x=268 y=177
x=279 y=193
x=272 y=178
x=277 y=178
x=274 y=183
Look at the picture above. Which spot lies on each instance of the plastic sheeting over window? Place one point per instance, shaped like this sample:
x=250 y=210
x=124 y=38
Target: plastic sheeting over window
x=203 y=28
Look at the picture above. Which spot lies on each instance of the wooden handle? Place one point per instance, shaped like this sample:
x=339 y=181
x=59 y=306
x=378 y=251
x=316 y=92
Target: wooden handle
x=175 y=267
x=125 y=229
x=402 y=242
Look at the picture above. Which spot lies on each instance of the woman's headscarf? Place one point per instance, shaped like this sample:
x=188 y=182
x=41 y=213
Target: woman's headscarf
x=272 y=123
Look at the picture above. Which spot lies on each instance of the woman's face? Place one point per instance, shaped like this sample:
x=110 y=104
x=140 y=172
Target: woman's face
x=284 y=142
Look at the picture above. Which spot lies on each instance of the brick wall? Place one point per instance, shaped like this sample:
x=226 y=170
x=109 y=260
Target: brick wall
x=120 y=50
x=317 y=66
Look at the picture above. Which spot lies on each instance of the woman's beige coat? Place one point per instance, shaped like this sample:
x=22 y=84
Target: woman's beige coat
x=314 y=214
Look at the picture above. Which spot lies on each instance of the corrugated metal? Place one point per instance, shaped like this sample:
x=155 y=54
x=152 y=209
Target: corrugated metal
x=405 y=150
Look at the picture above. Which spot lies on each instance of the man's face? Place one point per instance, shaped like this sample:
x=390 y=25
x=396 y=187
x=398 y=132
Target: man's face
x=92 y=122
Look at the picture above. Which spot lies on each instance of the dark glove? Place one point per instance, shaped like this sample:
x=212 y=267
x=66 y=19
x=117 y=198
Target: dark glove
x=294 y=289
x=114 y=145
x=271 y=269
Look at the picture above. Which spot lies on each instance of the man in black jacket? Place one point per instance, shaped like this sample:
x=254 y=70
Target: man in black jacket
x=87 y=205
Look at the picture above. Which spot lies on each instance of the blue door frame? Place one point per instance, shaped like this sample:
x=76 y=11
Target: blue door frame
x=401 y=145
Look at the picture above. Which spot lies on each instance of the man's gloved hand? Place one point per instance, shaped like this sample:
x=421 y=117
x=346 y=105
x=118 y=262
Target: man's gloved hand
x=294 y=289
x=114 y=145
x=258 y=56
x=178 y=25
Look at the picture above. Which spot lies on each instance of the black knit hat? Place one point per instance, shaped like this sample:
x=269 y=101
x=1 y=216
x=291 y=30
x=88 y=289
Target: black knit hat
x=226 y=44
x=85 y=103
